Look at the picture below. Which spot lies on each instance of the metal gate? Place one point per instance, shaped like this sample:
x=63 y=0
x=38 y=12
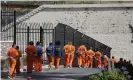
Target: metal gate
x=25 y=32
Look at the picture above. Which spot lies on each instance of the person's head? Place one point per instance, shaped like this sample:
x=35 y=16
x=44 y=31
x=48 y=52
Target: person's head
x=17 y=47
x=31 y=43
x=50 y=44
x=38 y=43
x=89 y=48
x=112 y=57
x=57 y=43
x=129 y=61
x=125 y=60
x=14 y=46
x=121 y=59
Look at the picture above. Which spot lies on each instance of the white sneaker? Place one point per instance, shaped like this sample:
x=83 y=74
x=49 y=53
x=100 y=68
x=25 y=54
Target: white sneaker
x=70 y=67
x=80 y=67
x=49 y=68
x=10 y=77
x=57 y=69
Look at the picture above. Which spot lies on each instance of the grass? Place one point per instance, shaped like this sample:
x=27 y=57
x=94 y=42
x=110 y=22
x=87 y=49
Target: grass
x=108 y=75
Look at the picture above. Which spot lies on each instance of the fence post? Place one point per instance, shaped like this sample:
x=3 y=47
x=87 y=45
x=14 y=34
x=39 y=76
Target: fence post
x=54 y=35
x=41 y=36
x=64 y=35
x=1 y=20
x=73 y=38
x=28 y=31
x=14 y=26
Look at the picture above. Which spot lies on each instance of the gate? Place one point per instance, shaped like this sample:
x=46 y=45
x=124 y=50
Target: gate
x=25 y=32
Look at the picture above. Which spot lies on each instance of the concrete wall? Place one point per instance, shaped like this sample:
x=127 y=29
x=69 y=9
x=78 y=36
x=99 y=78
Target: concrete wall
x=107 y=25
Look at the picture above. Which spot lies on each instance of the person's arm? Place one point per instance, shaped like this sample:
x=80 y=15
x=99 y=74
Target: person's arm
x=43 y=50
x=9 y=54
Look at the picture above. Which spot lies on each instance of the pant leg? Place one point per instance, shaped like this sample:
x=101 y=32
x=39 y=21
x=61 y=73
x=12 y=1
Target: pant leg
x=91 y=63
x=71 y=59
x=79 y=61
x=29 y=64
x=68 y=59
x=51 y=61
x=40 y=63
x=65 y=60
x=83 y=60
x=12 y=63
x=57 y=62
x=18 y=65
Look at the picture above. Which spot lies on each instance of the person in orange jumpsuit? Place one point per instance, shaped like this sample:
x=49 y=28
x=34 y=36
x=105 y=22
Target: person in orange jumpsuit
x=38 y=57
x=18 y=60
x=89 y=58
x=72 y=51
x=50 y=54
x=12 y=57
x=105 y=61
x=81 y=56
x=30 y=50
x=58 y=54
x=98 y=59
x=66 y=55
x=113 y=60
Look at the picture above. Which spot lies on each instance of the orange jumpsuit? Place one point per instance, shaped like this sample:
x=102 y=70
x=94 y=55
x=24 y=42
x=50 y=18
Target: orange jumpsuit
x=81 y=55
x=114 y=60
x=18 y=62
x=38 y=62
x=12 y=56
x=72 y=50
x=66 y=55
x=98 y=59
x=89 y=58
x=105 y=61
x=30 y=50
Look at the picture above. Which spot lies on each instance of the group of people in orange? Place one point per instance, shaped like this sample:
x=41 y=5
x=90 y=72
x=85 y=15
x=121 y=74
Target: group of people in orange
x=85 y=58
x=54 y=53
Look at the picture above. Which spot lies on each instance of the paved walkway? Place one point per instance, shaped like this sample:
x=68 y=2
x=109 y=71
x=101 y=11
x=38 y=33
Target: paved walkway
x=61 y=74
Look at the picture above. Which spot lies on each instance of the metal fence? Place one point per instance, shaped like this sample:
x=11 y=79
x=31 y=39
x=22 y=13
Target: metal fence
x=65 y=33
x=8 y=17
x=25 y=32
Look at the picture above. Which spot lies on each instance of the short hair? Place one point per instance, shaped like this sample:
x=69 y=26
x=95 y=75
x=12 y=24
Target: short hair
x=17 y=47
x=90 y=47
x=121 y=59
x=125 y=60
x=37 y=43
x=50 y=43
x=58 y=43
x=31 y=43
x=112 y=56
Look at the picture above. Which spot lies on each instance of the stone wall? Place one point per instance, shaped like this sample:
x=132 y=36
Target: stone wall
x=107 y=25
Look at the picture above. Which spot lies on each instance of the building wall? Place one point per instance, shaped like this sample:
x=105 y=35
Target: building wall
x=107 y=25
